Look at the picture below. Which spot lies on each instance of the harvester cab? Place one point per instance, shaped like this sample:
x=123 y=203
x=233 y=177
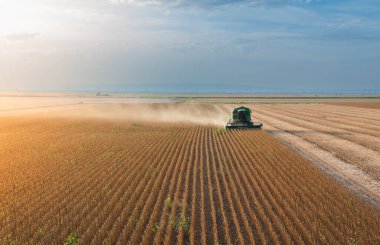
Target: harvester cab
x=241 y=119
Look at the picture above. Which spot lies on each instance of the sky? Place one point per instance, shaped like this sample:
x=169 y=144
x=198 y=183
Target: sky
x=209 y=46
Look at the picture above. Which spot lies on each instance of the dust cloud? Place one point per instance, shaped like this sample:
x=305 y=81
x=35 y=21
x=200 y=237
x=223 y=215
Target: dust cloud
x=128 y=109
x=216 y=115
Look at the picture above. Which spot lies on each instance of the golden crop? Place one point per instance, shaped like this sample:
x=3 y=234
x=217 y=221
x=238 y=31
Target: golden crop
x=94 y=181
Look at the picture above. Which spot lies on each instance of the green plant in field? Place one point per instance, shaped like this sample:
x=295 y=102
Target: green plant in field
x=8 y=240
x=355 y=239
x=156 y=228
x=82 y=149
x=169 y=202
x=3 y=215
x=181 y=222
x=40 y=232
x=132 y=220
x=321 y=236
x=72 y=239
x=70 y=162
x=179 y=204
x=153 y=170
x=106 y=189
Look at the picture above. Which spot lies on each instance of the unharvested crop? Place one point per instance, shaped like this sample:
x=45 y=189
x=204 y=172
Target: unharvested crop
x=97 y=181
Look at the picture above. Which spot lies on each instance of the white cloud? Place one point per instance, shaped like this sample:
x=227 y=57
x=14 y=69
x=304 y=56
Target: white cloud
x=206 y=3
x=137 y=3
x=21 y=37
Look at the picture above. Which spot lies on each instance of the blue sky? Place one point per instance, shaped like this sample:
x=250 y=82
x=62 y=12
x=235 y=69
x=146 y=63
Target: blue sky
x=190 y=46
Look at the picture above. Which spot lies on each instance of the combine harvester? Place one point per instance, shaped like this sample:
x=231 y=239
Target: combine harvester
x=241 y=119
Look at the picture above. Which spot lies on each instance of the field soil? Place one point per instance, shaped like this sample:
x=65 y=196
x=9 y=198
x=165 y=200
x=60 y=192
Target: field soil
x=342 y=140
x=372 y=105
x=168 y=173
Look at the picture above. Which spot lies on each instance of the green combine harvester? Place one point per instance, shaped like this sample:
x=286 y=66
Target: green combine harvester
x=241 y=119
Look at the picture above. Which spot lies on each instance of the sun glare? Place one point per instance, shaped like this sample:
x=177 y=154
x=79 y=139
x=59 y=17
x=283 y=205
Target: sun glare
x=19 y=17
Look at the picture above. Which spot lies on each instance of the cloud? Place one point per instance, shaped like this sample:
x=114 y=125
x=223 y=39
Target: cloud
x=21 y=37
x=138 y=3
x=206 y=3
